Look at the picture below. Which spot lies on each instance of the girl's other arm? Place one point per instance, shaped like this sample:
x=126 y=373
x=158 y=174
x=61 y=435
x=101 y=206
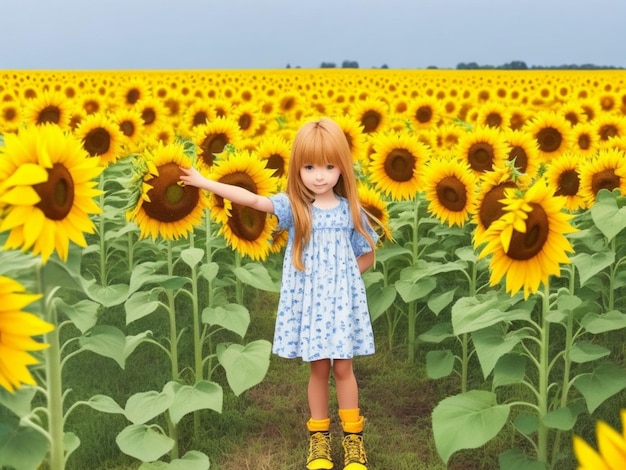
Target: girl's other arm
x=365 y=261
x=233 y=193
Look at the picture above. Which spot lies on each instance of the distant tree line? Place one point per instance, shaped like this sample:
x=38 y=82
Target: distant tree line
x=514 y=65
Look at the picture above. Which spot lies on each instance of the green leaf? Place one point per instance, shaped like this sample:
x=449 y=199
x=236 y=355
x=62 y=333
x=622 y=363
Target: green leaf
x=246 y=365
x=492 y=343
x=385 y=254
x=589 y=265
x=192 y=256
x=466 y=253
x=563 y=419
x=110 y=342
x=233 y=317
x=475 y=313
x=141 y=304
x=515 y=459
x=21 y=447
x=467 y=421
x=601 y=323
x=438 y=302
x=414 y=290
x=597 y=386
x=108 y=296
x=192 y=460
x=509 y=369
x=438 y=333
x=257 y=276
x=146 y=273
x=19 y=402
x=379 y=299
x=608 y=217
x=71 y=442
x=203 y=395
x=586 y=352
x=143 y=442
x=105 y=404
x=143 y=406
x=439 y=363
x=526 y=423
x=83 y=314
x=209 y=270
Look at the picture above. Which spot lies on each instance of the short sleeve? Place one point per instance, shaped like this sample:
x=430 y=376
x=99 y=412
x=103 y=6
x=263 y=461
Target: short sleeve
x=360 y=244
x=282 y=210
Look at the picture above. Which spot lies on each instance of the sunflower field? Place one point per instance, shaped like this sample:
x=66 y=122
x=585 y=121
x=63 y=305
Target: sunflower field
x=501 y=197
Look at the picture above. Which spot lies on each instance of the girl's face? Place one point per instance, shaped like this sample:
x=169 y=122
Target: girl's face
x=320 y=179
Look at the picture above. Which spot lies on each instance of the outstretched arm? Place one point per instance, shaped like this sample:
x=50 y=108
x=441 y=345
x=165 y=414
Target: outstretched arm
x=233 y=193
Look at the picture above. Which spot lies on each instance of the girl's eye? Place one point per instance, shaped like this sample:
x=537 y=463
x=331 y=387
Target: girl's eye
x=308 y=167
x=330 y=167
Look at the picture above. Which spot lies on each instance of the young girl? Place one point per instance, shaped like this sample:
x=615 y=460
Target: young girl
x=322 y=311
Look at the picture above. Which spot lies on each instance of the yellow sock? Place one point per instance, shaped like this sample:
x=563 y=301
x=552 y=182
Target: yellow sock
x=318 y=425
x=351 y=420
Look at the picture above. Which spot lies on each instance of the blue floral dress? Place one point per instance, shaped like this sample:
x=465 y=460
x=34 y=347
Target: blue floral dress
x=322 y=311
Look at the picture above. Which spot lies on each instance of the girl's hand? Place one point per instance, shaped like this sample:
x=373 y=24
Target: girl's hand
x=192 y=177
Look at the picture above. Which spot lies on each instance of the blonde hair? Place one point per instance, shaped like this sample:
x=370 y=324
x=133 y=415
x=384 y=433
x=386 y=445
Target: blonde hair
x=320 y=142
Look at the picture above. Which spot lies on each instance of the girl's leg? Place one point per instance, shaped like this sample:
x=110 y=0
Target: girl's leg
x=345 y=381
x=318 y=388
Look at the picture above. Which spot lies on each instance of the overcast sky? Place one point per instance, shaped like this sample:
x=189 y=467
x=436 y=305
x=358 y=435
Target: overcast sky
x=269 y=34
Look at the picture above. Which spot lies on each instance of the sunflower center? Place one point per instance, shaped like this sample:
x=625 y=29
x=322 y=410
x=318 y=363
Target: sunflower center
x=491 y=209
x=132 y=96
x=451 y=193
x=607 y=131
x=549 y=139
x=525 y=246
x=201 y=117
x=49 y=114
x=149 y=116
x=569 y=183
x=480 y=157
x=97 y=141
x=244 y=121
x=493 y=120
x=212 y=144
x=57 y=194
x=277 y=163
x=606 y=179
x=169 y=201
x=246 y=223
x=584 y=142
x=518 y=155
x=370 y=120
x=399 y=165
x=424 y=114
x=240 y=179
x=127 y=128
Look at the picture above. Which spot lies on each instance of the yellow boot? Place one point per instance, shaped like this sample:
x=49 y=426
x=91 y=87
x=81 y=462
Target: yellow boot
x=353 y=448
x=320 y=457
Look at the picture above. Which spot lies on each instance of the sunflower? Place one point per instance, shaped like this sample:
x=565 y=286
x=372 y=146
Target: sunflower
x=585 y=140
x=213 y=137
x=46 y=190
x=528 y=243
x=10 y=116
x=573 y=112
x=606 y=171
x=247 y=230
x=450 y=187
x=424 y=112
x=492 y=185
x=353 y=131
x=101 y=138
x=396 y=165
x=372 y=115
x=552 y=133
x=610 y=126
x=165 y=208
x=563 y=177
x=129 y=121
x=48 y=107
x=248 y=119
x=274 y=151
x=493 y=114
x=483 y=148
x=132 y=92
x=198 y=113
x=523 y=152
x=611 y=453
x=153 y=113
x=376 y=208
x=16 y=330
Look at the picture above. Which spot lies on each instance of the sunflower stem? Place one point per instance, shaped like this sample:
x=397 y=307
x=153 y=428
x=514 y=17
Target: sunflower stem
x=238 y=285
x=209 y=258
x=613 y=271
x=197 y=340
x=465 y=336
x=172 y=315
x=54 y=381
x=101 y=232
x=412 y=307
x=544 y=364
